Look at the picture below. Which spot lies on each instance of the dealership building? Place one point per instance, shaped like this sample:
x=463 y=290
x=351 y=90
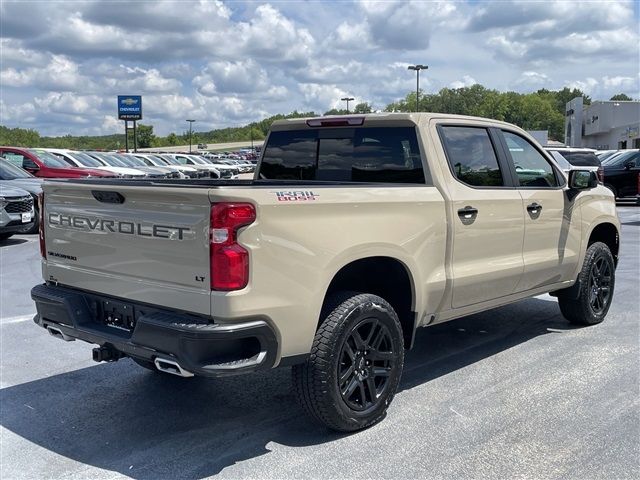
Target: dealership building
x=602 y=125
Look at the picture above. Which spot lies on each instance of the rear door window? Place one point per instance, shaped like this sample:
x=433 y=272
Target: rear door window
x=471 y=155
x=365 y=154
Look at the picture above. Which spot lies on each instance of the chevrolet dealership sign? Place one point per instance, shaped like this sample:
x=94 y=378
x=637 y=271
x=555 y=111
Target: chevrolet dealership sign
x=129 y=107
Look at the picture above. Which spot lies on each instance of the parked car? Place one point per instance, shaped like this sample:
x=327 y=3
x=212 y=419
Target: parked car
x=84 y=160
x=152 y=160
x=13 y=176
x=202 y=146
x=573 y=158
x=151 y=171
x=621 y=173
x=16 y=211
x=200 y=163
x=604 y=154
x=46 y=165
x=110 y=160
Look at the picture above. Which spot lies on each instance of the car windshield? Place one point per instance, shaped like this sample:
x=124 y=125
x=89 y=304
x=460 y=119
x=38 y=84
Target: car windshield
x=130 y=160
x=579 y=158
x=9 y=171
x=86 y=160
x=619 y=159
x=158 y=160
x=170 y=160
x=108 y=159
x=49 y=159
x=604 y=155
x=198 y=160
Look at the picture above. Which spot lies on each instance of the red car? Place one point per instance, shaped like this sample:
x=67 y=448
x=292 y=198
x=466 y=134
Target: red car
x=46 y=165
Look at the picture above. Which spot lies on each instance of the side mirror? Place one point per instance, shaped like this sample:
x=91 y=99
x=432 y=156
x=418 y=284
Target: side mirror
x=582 y=179
x=628 y=164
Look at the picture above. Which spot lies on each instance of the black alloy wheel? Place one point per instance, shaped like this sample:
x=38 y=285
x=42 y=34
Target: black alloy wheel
x=596 y=282
x=600 y=285
x=366 y=361
x=354 y=367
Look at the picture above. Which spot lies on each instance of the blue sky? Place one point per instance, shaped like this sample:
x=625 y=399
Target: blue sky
x=229 y=63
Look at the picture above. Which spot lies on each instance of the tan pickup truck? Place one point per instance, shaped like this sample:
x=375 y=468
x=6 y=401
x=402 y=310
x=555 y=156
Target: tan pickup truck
x=354 y=232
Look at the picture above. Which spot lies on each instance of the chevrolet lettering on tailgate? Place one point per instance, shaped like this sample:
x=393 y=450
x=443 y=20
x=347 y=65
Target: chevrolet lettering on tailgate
x=117 y=226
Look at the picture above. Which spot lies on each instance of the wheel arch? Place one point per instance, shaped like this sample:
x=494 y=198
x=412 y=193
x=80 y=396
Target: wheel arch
x=607 y=233
x=386 y=277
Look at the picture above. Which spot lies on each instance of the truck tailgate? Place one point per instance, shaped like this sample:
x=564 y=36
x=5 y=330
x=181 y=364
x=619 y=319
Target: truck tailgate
x=149 y=244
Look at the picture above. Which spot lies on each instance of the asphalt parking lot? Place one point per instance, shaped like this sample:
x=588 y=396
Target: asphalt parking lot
x=513 y=392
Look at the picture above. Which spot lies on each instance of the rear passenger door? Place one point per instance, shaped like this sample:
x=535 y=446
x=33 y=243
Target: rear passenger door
x=552 y=233
x=487 y=216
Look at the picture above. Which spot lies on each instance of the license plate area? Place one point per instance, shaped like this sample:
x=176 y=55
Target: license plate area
x=26 y=217
x=117 y=315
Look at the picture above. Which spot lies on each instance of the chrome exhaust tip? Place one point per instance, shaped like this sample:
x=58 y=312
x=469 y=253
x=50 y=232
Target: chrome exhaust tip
x=56 y=332
x=170 y=366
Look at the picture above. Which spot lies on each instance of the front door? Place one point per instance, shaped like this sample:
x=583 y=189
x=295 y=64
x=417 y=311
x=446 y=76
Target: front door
x=552 y=234
x=487 y=216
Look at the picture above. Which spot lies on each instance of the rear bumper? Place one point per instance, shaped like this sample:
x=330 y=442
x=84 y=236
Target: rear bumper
x=198 y=344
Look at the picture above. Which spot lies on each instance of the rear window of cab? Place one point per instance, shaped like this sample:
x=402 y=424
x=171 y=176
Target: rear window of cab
x=361 y=154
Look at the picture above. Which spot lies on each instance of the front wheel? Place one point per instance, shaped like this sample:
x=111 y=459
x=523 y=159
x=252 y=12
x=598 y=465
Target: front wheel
x=597 y=280
x=355 y=364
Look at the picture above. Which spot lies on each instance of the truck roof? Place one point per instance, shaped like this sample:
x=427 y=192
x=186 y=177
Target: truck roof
x=382 y=118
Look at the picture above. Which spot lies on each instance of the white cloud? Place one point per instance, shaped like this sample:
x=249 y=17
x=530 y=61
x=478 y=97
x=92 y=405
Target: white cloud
x=466 y=81
x=228 y=63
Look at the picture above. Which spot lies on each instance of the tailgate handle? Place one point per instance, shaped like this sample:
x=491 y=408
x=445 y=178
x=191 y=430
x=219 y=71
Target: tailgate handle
x=107 y=197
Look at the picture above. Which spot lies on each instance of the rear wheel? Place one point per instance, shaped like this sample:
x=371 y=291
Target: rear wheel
x=597 y=280
x=355 y=364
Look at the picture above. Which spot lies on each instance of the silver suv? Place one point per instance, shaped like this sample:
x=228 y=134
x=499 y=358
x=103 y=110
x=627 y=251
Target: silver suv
x=16 y=211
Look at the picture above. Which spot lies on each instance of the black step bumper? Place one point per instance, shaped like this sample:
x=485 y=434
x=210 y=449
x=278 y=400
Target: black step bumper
x=198 y=344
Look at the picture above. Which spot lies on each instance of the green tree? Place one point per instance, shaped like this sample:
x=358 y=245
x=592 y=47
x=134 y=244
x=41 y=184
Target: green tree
x=172 y=139
x=363 y=107
x=336 y=111
x=145 y=136
x=621 y=97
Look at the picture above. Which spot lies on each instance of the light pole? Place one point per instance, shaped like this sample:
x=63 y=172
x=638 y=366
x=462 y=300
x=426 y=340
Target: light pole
x=190 y=131
x=417 y=68
x=347 y=99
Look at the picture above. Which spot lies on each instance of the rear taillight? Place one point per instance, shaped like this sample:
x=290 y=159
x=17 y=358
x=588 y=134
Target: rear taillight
x=43 y=251
x=601 y=174
x=228 y=259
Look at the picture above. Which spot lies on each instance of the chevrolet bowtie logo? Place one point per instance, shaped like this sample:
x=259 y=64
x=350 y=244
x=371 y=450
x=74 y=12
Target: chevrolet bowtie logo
x=129 y=101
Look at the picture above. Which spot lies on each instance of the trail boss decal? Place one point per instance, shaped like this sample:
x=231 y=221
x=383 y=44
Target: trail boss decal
x=115 y=226
x=296 y=196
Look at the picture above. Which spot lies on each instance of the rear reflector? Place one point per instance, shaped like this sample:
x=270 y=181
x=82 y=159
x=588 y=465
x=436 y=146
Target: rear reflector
x=43 y=250
x=336 y=122
x=229 y=261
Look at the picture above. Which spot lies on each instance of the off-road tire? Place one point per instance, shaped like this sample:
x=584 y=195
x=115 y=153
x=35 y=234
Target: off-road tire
x=581 y=310
x=316 y=381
